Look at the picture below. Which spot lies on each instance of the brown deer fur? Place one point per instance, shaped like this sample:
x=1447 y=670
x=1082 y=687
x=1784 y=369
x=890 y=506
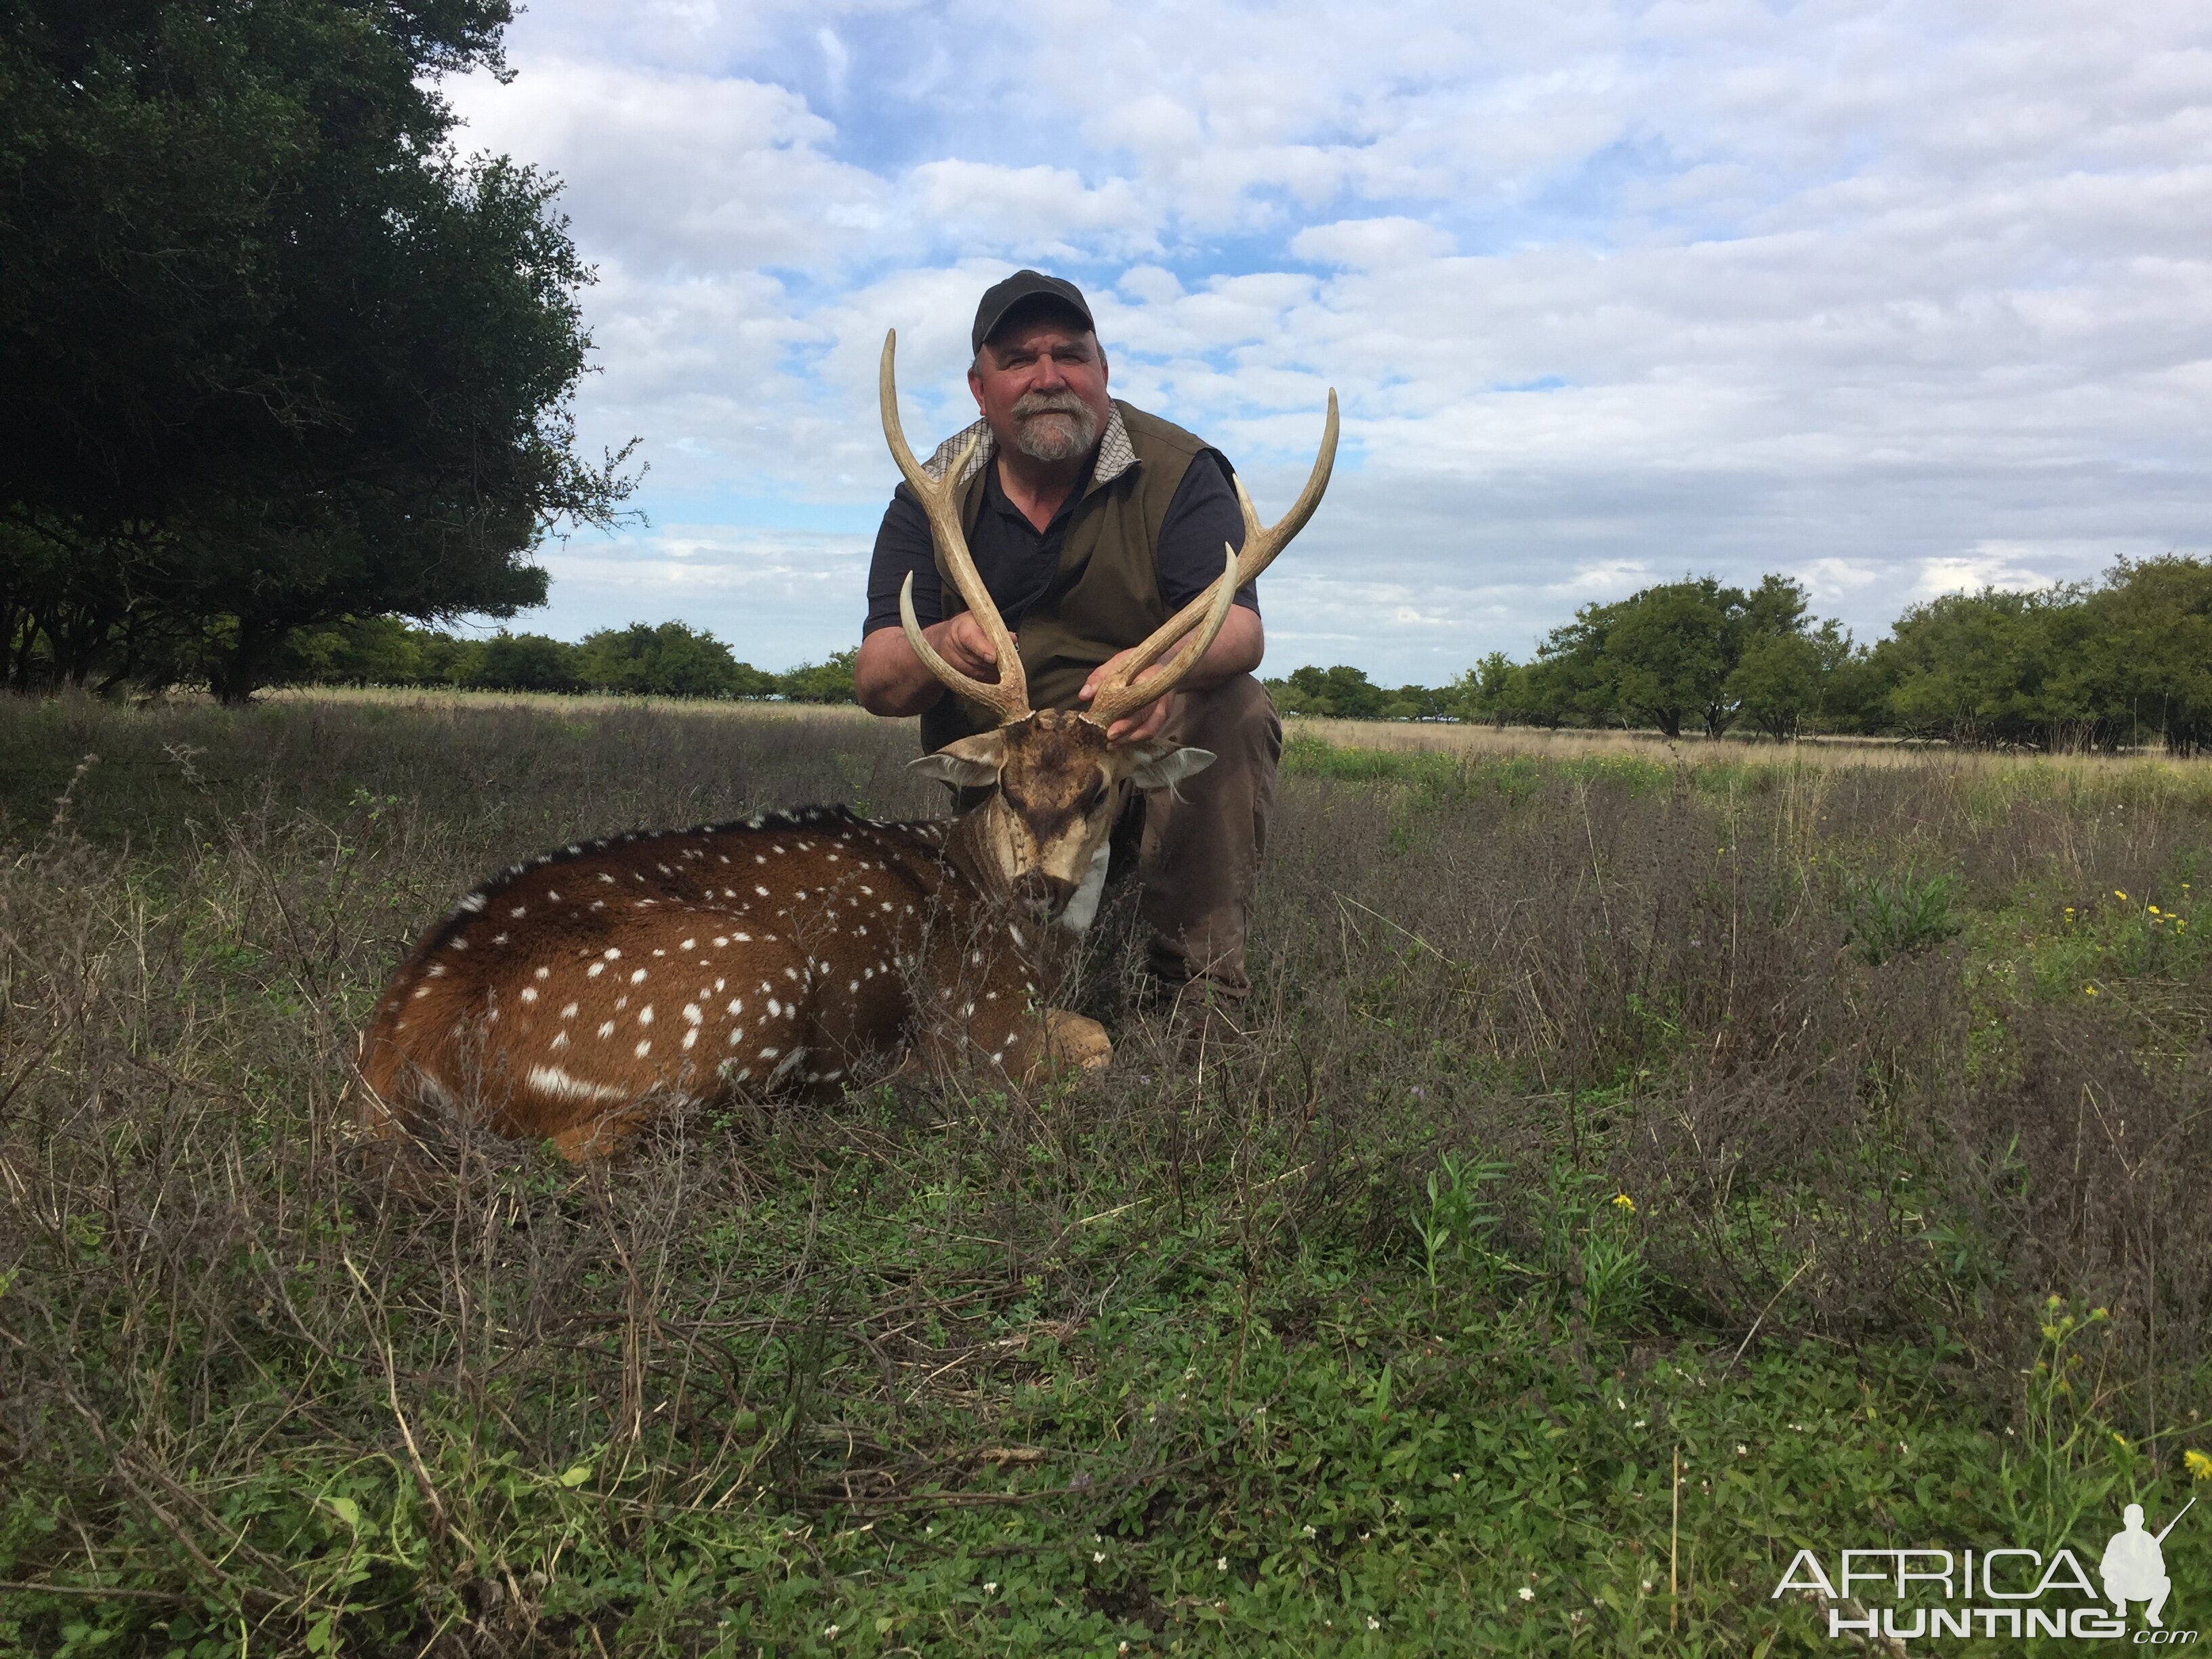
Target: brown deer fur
x=576 y=997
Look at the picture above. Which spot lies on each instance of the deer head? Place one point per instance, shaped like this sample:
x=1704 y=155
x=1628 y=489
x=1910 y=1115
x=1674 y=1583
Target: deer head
x=1056 y=782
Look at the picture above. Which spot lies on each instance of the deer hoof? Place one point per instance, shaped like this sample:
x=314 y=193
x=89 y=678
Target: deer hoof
x=1073 y=1043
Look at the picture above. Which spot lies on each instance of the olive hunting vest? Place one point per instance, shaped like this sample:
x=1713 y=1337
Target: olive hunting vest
x=1105 y=595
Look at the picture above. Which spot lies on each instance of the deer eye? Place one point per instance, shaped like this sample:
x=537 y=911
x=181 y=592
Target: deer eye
x=1095 y=798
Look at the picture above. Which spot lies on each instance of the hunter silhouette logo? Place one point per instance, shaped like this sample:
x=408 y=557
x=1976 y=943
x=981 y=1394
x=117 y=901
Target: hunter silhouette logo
x=2134 y=1565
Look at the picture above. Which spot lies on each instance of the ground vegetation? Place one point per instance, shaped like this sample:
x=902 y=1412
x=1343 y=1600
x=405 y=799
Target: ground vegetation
x=1830 y=1135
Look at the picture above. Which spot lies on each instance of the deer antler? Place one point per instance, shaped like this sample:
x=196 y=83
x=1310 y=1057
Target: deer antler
x=1118 y=694
x=940 y=500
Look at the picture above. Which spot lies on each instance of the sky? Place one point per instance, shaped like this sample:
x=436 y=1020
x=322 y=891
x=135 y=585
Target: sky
x=1893 y=299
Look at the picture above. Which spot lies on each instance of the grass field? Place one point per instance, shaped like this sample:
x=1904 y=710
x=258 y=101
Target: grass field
x=1829 y=1128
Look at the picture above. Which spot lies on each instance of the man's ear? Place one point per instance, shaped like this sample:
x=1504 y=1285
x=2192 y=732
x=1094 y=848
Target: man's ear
x=1168 y=766
x=969 y=762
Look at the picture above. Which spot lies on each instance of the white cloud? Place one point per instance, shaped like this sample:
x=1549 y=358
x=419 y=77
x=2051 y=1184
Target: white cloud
x=1889 y=298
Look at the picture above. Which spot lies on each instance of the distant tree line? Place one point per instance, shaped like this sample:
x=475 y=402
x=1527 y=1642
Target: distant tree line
x=669 y=661
x=2124 y=661
x=272 y=352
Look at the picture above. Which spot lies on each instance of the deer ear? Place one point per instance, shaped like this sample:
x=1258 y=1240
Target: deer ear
x=969 y=762
x=1170 y=768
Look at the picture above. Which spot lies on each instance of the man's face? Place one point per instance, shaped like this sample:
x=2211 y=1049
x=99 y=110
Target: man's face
x=1041 y=385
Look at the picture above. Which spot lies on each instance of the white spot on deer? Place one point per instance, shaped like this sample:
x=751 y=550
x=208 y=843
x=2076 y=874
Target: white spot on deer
x=884 y=906
x=775 y=1009
x=499 y=938
x=788 y=1064
x=645 y=1015
x=638 y=977
x=437 y=970
x=607 y=1029
x=966 y=1008
x=722 y=940
x=737 y=1036
x=552 y=897
x=661 y=953
x=690 y=1039
x=595 y=970
x=612 y=953
x=472 y=903
x=552 y=1080
x=643 y=1049
x=569 y=1012
x=519 y=910
x=769 y=1054
x=542 y=973
x=688 y=945
x=607 y=878
x=530 y=993
x=422 y=991
x=459 y=944
x=718 y=985
x=763 y=891
x=853 y=985
x=559 y=1041
x=760 y=858
x=691 y=1014
x=737 y=1006
x=977 y=959
x=793 y=972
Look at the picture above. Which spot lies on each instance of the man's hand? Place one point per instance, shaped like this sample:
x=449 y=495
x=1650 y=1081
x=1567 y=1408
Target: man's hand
x=1137 y=724
x=960 y=639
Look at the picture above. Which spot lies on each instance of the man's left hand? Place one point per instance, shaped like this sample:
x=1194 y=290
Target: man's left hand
x=1137 y=724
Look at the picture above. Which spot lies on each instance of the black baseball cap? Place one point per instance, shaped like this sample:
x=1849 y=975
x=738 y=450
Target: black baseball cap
x=1002 y=297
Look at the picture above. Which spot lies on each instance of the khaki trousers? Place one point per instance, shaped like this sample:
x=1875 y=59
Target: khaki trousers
x=1198 y=858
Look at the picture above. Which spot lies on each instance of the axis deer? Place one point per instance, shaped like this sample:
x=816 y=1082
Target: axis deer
x=576 y=996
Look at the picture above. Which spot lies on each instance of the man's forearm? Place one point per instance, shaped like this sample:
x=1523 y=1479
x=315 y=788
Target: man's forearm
x=1236 y=650
x=890 y=679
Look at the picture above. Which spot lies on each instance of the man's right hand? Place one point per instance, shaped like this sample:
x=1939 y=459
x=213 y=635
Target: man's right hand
x=960 y=639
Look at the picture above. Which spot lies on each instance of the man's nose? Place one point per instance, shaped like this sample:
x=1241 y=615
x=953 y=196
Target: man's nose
x=1045 y=374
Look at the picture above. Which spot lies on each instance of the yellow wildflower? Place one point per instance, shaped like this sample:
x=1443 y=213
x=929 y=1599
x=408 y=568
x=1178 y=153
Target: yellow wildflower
x=2089 y=990
x=2117 y=894
x=1623 y=1201
x=2153 y=910
x=2198 y=1465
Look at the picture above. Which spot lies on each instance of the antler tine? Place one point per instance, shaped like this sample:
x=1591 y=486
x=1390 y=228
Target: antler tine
x=940 y=500
x=1261 y=544
x=1114 y=700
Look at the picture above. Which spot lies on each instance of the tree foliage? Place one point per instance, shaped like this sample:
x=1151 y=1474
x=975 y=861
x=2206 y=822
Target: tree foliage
x=272 y=354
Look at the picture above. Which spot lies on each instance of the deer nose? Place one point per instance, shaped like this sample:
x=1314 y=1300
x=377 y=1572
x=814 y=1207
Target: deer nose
x=1041 y=895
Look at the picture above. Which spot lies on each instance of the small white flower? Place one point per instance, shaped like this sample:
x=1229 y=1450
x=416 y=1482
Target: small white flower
x=1454 y=1478
x=1309 y=1531
x=1124 y=1648
x=829 y=1630
x=1221 y=1564
x=1526 y=1593
x=1647 y=1587
x=1097 y=1557
x=1639 y=1423
x=1742 y=1450
x=990 y=1587
x=1373 y=1623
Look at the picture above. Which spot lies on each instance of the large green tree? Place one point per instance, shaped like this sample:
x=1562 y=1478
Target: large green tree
x=270 y=354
